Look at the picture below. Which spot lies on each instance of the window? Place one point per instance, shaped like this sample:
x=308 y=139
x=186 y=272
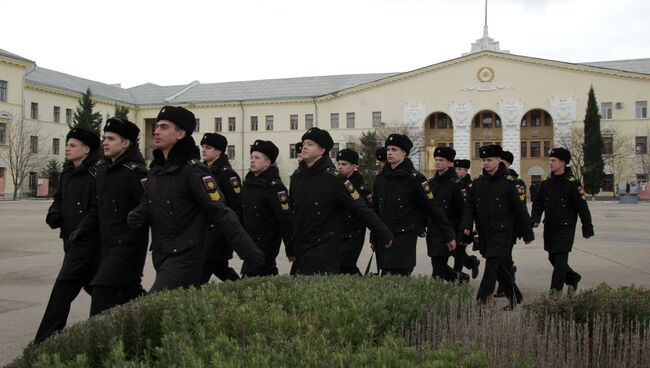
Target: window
x=253 y=123
x=292 y=151
x=442 y=122
x=608 y=183
x=547 y=148
x=232 y=124
x=535 y=118
x=33 y=144
x=608 y=145
x=376 y=119
x=350 y=120
x=68 y=116
x=56 y=114
x=606 y=110
x=334 y=151
x=3 y=90
x=309 y=121
x=641 y=145
x=34 y=111
x=524 y=149
x=269 y=122
x=293 y=122
x=198 y=125
x=3 y=133
x=33 y=180
x=217 y=125
x=477 y=148
x=350 y=145
x=55 y=146
x=334 y=120
x=231 y=151
x=535 y=149
x=488 y=119
x=641 y=109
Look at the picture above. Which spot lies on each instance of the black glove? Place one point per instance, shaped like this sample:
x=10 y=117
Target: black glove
x=76 y=235
x=53 y=220
x=587 y=231
x=135 y=219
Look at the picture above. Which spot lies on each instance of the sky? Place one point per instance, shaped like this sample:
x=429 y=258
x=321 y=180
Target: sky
x=176 y=42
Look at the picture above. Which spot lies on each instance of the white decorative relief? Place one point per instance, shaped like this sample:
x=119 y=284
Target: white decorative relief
x=563 y=111
x=461 y=115
x=5 y=115
x=511 y=112
x=414 y=115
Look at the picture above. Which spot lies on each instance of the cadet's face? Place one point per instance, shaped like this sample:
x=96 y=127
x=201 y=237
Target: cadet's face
x=311 y=151
x=346 y=168
x=209 y=153
x=76 y=150
x=167 y=134
x=114 y=145
x=259 y=162
x=461 y=172
x=395 y=155
x=491 y=164
x=442 y=164
x=555 y=164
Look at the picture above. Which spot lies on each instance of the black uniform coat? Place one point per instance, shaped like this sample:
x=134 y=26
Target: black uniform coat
x=180 y=198
x=448 y=195
x=403 y=200
x=267 y=216
x=499 y=214
x=73 y=200
x=230 y=185
x=319 y=197
x=120 y=185
x=562 y=199
x=353 y=226
x=520 y=185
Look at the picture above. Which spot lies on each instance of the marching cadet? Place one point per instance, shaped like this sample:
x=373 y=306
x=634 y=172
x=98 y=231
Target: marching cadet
x=447 y=194
x=319 y=197
x=218 y=252
x=403 y=200
x=72 y=201
x=181 y=199
x=461 y=258
x=267 y=217
x=121 y=178
x=495 y=206
x=354 y=231
x=562 y=199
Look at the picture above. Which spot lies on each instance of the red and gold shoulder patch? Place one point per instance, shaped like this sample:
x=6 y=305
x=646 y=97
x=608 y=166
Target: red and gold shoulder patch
x=353 y=191
x=427 y=189
x=284 y=200
x=211 y=188
x=236 y=185
x=144 y=182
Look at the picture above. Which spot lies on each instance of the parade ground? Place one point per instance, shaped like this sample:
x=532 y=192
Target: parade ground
x=31 y=255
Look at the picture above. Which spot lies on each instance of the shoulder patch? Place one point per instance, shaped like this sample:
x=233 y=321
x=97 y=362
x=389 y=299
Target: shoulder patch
x=211 y=188
x=353 y=191
x=236 y=185
x=284 y=200
x=144 y=183
x=427 y=189
x=333 y=171
x=192 y=162
x=510 y=177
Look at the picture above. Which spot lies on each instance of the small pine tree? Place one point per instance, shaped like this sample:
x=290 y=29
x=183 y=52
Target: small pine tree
x=367 y=158
x=121 y=112
x=84 y=117
x=52 y=171
x=593 y=171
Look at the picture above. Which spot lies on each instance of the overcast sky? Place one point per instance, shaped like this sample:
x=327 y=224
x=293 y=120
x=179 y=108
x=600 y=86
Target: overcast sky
x=175 y=42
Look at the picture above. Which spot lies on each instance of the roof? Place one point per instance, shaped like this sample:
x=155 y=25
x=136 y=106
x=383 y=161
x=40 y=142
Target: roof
x=11 y=55
x=632 y=65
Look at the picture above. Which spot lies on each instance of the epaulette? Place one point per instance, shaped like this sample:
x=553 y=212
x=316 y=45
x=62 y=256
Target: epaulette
x=192 y=162
x=100 y=162
x=571 y=178
x=92 y=171
x=332 y=171
x=224 y=168
x=510 y=177
x=134 y=166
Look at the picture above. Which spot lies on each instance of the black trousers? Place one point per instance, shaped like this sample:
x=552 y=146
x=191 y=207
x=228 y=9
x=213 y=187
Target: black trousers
x=462 y=259
x=220 y=269
x=107 y=297
x=562 y=273
x=396 y=271
x=272 y=272
x=349 y=270
x=496 y=268
x=177 y=270
x=442 y=270
x=56 y=313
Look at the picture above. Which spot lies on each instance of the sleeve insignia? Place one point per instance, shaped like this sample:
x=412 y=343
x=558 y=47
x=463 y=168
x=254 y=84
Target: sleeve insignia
x=143 y=182
x=284 y=200
x=427 y=189
x=572 y=178
x=215 y=196
x=235 y=184
x=352 y=190
x=522 y=192
x=209 y=183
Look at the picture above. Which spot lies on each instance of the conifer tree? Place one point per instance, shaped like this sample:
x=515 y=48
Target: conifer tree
x=84 y=117
x=593 y=171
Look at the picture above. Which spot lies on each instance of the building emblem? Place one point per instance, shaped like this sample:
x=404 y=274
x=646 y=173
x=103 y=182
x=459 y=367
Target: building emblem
x=485 y=74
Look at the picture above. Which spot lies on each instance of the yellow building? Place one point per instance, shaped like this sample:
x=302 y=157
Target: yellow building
x=526 y=104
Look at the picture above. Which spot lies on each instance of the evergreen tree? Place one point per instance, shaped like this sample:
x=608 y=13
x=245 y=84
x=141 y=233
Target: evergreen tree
x=84 y=117
x=121 y=112
x=367 y=158
x=52 y=171
x=593 y=147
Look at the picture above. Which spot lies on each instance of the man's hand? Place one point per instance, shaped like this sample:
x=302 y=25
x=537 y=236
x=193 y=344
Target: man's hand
x=466 y=232
x=292 y=258
x=53 y=220
x=451 y=245
x=424 y=234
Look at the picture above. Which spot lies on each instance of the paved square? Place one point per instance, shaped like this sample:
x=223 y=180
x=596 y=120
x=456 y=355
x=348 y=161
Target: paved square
x=31 y=255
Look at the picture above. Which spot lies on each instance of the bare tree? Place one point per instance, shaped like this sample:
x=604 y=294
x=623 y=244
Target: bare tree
x=618 y=161
x=21 y=152
x=575 y=142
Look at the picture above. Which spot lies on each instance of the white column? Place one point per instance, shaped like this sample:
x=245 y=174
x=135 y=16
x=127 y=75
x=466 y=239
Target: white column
x=563 y=112
x=461 y=114
x=511 y=112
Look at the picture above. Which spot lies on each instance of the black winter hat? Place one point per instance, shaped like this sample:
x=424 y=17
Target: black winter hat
x=320 y=136
x=445 y=152
x=182 y=117
x=86 y=137
x=401 y=141
x=266 y=147
x=380 y=153
x=348 y=155
x=299 y=147
x=123 y=127
x=215 y=140
x=462 y=163
x=490 y=150
x=507 y=156
x=562 y=154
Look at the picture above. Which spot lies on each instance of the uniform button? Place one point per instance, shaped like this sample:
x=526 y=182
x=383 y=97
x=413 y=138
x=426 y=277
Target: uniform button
x=78 y=203
x=168 y=202
x=174 y=250
x=119 y=242
x=81 y=211
x=171 y=213
x=150 y=201
x=402 y=230
x=316 y=203
x=318 y=239
x=114 y=210
x=318 y=213
x=212 y=225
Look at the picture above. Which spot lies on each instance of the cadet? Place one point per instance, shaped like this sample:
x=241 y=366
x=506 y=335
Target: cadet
x=354 y=231
x=218 y=252
x=562 y=199
x=495 y=206
x=121 y=178
x=72 y=202
x=180 y=199
x=319 y=196
x=403 y=200
x=267 y=217
x=461 y=258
